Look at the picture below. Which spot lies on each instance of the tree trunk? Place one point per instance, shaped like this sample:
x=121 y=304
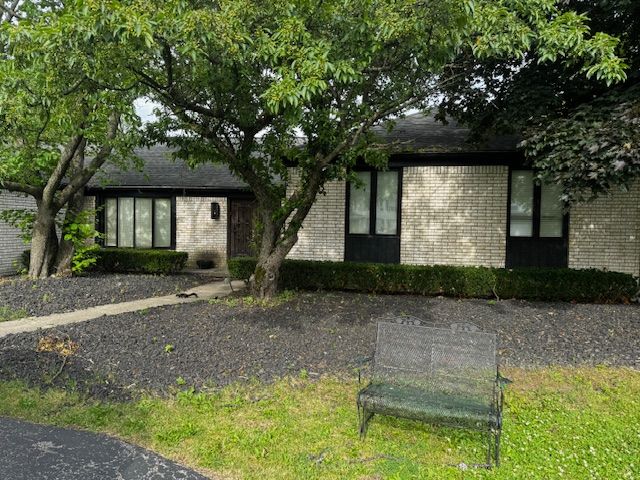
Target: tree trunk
x=264 y=281
x=67 y=249
x=273 y=250
x=44 y=244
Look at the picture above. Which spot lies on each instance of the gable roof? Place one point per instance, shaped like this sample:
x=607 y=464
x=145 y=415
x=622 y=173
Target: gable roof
x=161 y=171
x=414 y=133
x=423 y=133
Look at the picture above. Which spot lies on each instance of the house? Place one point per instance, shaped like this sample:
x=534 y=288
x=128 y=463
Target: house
x=447 y=202
x=441 y=201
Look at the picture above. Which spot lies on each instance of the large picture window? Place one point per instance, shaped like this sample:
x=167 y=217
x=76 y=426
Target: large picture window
x=137 y=222
x=535 y=210
x=373 y=204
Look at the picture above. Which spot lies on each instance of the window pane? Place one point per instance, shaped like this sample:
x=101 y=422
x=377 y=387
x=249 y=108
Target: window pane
x=111 y=223
x=521 y=203
x=162 y=227
x=143 y=223
x=387 y=203
x=359 y=204
x=125 y=222
x=550 y=211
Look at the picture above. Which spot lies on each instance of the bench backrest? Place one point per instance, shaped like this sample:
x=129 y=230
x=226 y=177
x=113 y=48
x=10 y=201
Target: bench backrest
x=437 y=359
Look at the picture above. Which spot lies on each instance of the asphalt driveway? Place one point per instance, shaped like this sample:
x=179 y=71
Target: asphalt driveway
x=35 y=452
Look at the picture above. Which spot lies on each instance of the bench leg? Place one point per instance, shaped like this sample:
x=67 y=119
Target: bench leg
x=489 y=448
x=364 y=421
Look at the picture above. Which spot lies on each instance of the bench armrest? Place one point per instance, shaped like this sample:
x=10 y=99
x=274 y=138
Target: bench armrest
x=502 y=381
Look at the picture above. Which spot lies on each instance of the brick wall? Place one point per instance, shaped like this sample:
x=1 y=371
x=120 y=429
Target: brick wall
x=322 y=234
x=605 y=233
x=197 y=233
x=454 y=215
x=11 y=245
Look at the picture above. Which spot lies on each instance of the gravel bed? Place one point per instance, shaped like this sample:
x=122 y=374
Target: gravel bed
x=203 y=344
x=56 y=295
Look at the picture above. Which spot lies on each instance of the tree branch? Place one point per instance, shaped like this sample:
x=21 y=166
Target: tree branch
x=81 y=178
x=58 y=174
x=35 y=192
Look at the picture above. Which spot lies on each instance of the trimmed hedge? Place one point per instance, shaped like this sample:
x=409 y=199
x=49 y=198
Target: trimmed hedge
x=137 y=260
x=132 y=260
x=547 y=284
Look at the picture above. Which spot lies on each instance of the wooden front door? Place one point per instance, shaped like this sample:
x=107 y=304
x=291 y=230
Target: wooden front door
x=241 y=220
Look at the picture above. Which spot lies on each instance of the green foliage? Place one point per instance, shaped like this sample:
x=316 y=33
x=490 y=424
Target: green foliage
x=578 y=132
x=7 y=314
x=80 y=230
x=578 y=423
x=548 y=284
x=593 y=149
x=134 y=260
x=22 y=220
x=242 y=80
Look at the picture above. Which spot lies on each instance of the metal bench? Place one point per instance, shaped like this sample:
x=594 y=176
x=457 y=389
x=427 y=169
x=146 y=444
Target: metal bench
x=446 y=376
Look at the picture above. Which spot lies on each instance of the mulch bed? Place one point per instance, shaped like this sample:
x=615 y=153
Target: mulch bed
x=56 y=295
x=315 y=333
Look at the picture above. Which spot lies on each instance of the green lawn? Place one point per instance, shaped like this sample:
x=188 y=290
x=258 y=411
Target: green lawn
x=559 y=423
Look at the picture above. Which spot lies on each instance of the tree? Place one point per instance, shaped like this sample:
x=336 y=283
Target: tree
x=55 y=109
x=242 y=80
x=578 y=132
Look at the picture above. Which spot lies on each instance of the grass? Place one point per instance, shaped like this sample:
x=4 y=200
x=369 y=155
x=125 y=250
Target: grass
x=559 y=423
x=7 y=313
x=250 y=301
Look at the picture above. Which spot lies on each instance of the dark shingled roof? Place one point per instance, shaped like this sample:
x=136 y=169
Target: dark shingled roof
x=161 y=171
x=420 y=133
x=414 y=133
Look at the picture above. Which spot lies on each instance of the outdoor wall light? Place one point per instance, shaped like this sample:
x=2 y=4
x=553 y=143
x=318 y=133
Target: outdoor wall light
x=215 y=210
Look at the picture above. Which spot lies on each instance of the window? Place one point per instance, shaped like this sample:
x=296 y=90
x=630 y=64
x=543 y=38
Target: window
x=138 y=222
x=535 y=210
x=373 y=205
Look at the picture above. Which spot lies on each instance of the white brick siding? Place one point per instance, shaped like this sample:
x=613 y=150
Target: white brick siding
x=197 y=233
x=11 y=245
x=322 y=234
x=454 y=215
x=605 y=233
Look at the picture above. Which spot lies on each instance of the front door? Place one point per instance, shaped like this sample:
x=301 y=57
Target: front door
x=373 y=217
x=240 y=226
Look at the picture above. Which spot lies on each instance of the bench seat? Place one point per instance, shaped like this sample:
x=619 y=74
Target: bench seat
x=428 y=406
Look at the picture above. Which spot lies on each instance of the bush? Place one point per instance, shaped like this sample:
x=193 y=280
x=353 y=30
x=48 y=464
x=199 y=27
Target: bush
x=547 y=284
x=135 y=260
x=131 y=260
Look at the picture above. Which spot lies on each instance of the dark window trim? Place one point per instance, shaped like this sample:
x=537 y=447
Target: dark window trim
x=102 y=213
x=537 y=200
x=372 y=203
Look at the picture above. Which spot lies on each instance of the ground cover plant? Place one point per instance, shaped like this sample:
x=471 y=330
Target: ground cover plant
x=559 y=423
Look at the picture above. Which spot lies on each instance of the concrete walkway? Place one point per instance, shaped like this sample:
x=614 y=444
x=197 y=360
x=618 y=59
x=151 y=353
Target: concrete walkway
x=205 y=292
x=38 y=452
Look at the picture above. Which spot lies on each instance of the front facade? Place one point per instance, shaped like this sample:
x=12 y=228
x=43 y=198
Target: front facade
x=445 y=202
x=206 y=211
x=468 y=207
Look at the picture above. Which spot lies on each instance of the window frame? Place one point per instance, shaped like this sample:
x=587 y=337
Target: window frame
x=536 y=212
x=101 y=220
x=373 y=211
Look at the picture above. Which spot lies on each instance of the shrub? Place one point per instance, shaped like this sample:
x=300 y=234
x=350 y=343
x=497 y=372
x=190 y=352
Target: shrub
x=547 y=284
x=131 y=260
x=135 y=260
